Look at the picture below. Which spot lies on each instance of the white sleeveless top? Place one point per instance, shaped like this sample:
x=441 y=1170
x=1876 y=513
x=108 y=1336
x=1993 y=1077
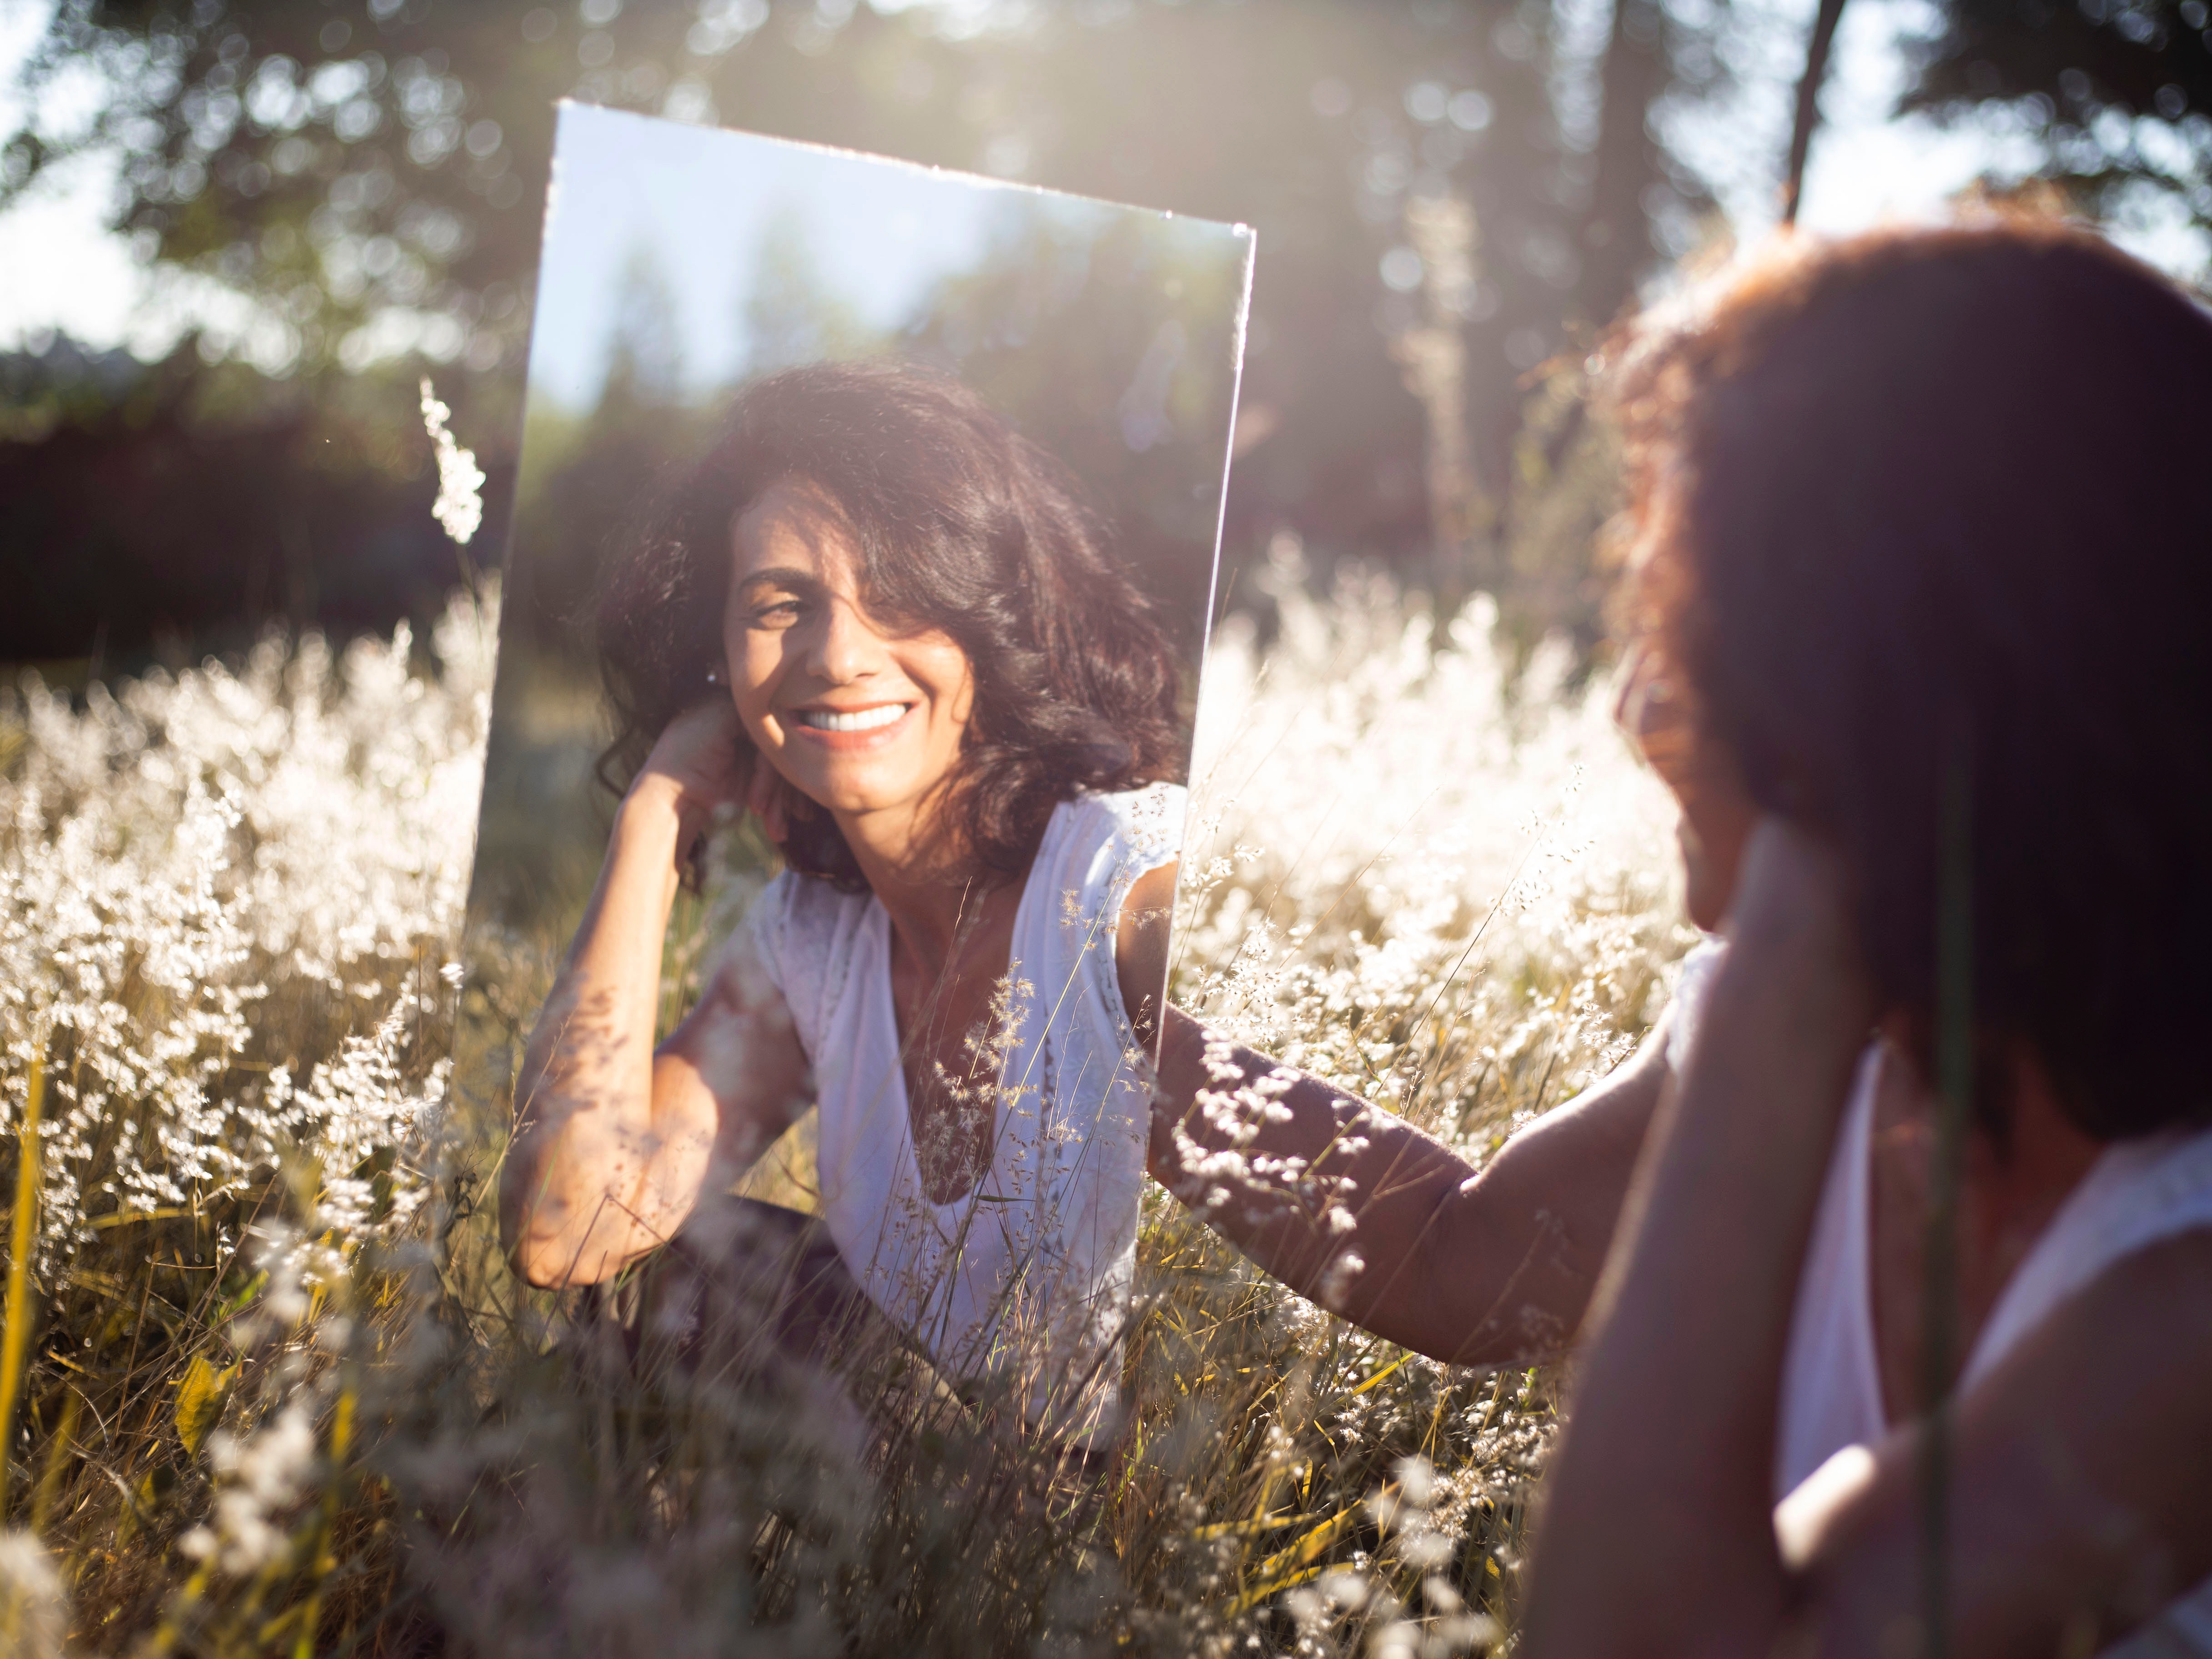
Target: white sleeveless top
x=2140 y=1192
x=1030 y=1270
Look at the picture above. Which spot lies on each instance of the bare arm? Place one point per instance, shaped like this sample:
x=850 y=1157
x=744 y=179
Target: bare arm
x=613 y=1142
x=1675 y=1414
x=1473 y=1268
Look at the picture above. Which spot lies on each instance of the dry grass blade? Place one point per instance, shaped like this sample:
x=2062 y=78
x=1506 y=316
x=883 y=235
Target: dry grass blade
x=16 y=1342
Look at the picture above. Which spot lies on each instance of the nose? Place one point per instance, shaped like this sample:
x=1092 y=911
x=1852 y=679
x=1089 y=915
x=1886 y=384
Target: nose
x=844 y=648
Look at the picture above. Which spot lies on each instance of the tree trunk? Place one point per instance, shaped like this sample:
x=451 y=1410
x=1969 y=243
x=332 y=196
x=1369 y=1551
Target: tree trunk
x=1433 y=357
x=1617 y=237
x=1809 y=105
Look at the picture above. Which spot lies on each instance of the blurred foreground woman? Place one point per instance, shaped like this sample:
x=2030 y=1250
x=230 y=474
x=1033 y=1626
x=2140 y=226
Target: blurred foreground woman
x=1919 y=640
x=1928 y=554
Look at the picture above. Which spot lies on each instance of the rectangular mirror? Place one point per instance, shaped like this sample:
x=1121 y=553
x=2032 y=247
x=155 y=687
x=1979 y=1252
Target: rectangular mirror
x=864 y=547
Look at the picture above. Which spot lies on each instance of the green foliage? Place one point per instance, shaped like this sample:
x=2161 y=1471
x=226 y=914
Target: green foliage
x=371 y=176
x=791 y=317
x=2114 y=96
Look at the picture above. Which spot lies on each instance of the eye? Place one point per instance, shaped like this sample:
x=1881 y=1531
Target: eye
x=780 y=612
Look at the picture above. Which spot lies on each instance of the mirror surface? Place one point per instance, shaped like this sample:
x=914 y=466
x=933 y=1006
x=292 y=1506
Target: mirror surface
x=863 y=544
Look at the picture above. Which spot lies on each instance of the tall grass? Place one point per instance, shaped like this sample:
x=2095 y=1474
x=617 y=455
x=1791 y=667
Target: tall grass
x=226 y=898
x=281 y=1397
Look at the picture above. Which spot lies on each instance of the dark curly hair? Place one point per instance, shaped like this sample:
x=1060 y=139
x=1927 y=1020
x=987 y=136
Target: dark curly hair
x=960 y=523
x=1960 y=481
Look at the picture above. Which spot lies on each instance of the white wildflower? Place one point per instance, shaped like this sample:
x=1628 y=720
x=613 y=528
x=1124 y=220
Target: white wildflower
x=1417 y=1480
x=173 y=849
x=255 y=1479
x=1336 y=1281
x=33 y=1605
x=1343 y=1587
x=459 y=505
x=1463 y=891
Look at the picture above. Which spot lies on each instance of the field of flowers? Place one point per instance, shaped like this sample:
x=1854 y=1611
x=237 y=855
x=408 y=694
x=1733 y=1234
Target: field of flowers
x=268 y=1390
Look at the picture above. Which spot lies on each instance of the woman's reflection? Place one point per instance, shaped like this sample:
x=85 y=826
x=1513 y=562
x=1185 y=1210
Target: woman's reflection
x=884 y=622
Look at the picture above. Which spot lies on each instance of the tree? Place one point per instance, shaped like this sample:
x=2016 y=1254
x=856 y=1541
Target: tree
x=645 y=360
x=1061 y=326
x=2116 y=93
x=790 y=316
x=370 y=174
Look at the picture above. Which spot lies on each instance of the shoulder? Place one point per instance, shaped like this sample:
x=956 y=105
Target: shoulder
x=1098 y=847
x=793 y=901
x=802 y=930
x=767 y=920
x=1142 y=828
x=1142 y=937
x=1131 y=891
x=2140 y=1192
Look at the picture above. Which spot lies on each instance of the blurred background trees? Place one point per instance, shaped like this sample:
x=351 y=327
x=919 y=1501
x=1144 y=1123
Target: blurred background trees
x=2116 y=95
x=1452 y=200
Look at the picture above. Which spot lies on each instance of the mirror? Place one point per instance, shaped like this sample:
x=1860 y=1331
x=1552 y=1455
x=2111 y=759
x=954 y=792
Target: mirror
x=864 y=547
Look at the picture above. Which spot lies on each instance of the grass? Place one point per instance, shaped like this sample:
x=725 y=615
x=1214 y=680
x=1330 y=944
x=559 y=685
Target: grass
x=279 y=1397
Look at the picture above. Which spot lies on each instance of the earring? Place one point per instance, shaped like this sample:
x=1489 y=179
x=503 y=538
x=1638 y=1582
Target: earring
x=713 y=677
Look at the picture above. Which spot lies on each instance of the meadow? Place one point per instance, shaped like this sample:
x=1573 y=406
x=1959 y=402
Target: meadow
x=269 y=1390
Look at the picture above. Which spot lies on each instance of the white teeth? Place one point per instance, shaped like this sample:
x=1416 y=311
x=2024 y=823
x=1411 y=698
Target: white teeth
x=867 y=719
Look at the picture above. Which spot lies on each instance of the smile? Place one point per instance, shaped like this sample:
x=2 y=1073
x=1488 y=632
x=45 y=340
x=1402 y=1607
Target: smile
x=864 y=720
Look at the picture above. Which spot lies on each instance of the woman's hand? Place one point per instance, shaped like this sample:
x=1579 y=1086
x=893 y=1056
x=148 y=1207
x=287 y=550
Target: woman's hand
x=703 y=761
x=1675 y=1410
x=613 y=1140
x=1791 y=903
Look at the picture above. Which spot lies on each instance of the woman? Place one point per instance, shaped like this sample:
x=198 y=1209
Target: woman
x=881 y=618
x=1926 y=557
x=1926 y=518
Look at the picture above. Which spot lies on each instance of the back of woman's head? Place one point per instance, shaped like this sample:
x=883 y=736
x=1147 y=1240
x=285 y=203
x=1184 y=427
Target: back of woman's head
x=1933 y=508
x=957 y=523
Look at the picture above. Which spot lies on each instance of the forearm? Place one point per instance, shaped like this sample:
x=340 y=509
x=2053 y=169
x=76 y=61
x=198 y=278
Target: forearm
x=585 y=1171
x=1336 y=1198
x=1658 y=1532
x=1490 y=1268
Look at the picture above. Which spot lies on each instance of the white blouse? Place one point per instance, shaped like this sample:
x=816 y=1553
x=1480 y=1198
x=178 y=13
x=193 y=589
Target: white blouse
x=2140 y=1192
x=1027 y=1272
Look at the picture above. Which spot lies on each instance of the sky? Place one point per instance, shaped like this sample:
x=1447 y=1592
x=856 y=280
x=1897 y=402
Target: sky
x=61 y=269
x=698 y=204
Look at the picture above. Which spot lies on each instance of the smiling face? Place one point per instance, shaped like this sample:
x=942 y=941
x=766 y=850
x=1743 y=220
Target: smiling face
x=860 y=717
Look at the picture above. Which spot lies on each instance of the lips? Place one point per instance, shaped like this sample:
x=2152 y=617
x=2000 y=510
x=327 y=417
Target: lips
x=859 y=719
